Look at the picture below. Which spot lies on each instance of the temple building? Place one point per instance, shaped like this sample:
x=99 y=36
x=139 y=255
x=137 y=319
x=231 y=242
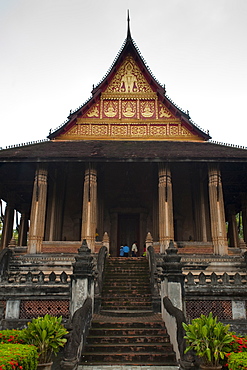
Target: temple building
x=128 y=165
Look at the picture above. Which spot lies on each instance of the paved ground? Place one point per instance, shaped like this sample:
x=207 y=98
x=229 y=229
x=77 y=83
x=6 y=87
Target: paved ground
x=122 y=367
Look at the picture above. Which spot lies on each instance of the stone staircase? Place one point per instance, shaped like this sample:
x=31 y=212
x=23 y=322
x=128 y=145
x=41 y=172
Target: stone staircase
x=127 y=331
x=126 y=286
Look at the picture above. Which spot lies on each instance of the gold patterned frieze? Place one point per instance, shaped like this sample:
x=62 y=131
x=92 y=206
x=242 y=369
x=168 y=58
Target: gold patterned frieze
x=93 y=111
x=128 y=79
x=127 y=96
x=160 y=130
x=73 y=130
x=99 y=130
x=84 y=130
x=119 y=130
x=110 y=108
x=139 y=130
x=147 y=108
x=129 y=109
x=174 y=130
x=163 y=111
x=129 y=130
x=185 y=132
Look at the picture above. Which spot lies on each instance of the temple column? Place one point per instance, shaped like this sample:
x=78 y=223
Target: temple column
x=244 y=215
x=38 y=210
x=23 y=229
x=232 y=227
x=55 y=207
x=89 y=211
x=114 y=247
x=7 y=225
x=166 y=227
x=217 y=212
x=203 y=211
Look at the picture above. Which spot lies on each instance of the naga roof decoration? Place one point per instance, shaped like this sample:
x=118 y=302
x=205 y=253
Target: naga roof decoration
x=129 y=104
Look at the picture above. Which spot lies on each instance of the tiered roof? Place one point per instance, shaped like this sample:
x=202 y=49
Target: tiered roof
x=128 y=117
x=129 y=104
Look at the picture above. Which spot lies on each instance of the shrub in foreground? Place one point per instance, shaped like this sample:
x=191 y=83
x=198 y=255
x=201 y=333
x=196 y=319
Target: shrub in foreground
x=47 y=334
x=18 y=356
x=209 y=338
x=11 y=336
x=237 y=361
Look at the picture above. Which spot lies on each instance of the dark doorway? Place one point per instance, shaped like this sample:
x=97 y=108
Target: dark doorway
x=128 y=229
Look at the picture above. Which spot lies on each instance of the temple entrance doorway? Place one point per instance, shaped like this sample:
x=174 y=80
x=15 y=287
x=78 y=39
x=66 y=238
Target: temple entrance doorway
x=128 y=229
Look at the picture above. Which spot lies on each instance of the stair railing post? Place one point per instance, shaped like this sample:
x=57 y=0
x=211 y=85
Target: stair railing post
x=172 y=293
x=99 y=277
x=172 y=285
x=82 y=285
x=154 y=280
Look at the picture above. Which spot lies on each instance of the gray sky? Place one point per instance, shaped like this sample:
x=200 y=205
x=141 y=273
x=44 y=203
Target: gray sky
x=53 y=51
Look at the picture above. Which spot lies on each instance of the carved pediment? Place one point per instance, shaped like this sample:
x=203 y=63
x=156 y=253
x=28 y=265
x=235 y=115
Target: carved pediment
x=129 y=79
x=129 y=104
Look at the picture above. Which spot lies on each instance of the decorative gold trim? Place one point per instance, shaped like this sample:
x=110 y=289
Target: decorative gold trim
x=128 y=79
x=130 y=131
x=128 y=138
x=109 y=121
x=127 y=96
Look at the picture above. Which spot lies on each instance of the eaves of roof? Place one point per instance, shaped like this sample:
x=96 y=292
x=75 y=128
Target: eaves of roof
x=107 y=151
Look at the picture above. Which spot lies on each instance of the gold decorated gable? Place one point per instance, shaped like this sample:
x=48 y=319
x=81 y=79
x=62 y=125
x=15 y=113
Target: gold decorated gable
x=128 y=109
x=128 y=79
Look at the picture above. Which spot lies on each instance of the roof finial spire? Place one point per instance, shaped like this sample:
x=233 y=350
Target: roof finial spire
x=128 y=30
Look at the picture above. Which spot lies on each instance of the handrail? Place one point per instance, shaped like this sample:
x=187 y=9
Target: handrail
x=153 y=279
x=101 y=266
x=176 y=332
x=99 y=277
x=5 y=256
x=80 y=325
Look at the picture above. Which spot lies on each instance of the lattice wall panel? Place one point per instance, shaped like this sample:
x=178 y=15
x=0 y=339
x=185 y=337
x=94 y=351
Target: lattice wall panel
x=33 y=309
x=221 y=309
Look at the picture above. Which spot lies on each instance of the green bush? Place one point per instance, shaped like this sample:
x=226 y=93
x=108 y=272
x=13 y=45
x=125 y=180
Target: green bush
x=47 y=334
x=209 y=338
x=11 y=336
x=18 y=356
x=237 y=361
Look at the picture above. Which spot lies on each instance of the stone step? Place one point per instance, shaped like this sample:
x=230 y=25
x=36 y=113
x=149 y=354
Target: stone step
x=129 y=259
x=129 y=348
x=125 y=291
x=129 y=358
x=130 y=298
x=127 y=294
x=122 y=291
x=151 y=339
x=112 y=332
x=126 y=272
x=136 y=283
x=125 y=332
x=126 y=305
x=129 y=324
x=133 y=313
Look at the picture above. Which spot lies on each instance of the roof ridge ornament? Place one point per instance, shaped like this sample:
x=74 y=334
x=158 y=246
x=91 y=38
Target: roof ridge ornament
x=128 y=26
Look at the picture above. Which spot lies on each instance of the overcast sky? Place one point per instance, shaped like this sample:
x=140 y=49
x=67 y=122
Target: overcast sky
x=53 y=51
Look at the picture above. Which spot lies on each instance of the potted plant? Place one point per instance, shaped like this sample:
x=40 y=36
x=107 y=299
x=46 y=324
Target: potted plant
x=47 y=334
x=210 y=340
